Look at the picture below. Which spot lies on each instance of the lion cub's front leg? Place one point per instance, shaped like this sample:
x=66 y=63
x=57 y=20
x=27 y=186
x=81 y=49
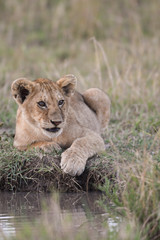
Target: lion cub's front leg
x=46 y=146
x=74 y=159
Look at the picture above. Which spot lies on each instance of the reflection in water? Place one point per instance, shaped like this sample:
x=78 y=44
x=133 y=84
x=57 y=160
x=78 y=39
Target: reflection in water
x=16 y=209
x=6 y=227
x=19 y=208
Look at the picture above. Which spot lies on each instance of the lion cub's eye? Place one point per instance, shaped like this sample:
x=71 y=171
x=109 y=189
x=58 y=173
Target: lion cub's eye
x=42 y=104
x=60 y=103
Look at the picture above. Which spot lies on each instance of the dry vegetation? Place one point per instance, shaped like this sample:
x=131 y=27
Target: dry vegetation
x=113 y=45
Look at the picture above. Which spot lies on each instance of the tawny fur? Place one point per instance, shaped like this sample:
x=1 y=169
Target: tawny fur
x=80 y=119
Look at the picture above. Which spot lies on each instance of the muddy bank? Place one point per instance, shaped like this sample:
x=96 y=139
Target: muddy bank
x=32 y=171
x=44 y=174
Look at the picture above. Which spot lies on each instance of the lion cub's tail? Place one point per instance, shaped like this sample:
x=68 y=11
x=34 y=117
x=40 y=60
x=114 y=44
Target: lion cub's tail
x=100 y=103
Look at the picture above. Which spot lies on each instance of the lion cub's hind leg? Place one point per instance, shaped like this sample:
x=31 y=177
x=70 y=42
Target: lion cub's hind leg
x=99 y=102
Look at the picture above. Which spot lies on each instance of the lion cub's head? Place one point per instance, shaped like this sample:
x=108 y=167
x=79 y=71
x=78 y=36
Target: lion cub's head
x=44 y=103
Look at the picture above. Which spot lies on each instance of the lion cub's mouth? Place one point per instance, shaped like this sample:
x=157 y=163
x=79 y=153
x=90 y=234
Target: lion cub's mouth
x=55 y=129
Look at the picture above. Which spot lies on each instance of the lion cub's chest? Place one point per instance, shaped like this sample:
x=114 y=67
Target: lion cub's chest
x=80 y=119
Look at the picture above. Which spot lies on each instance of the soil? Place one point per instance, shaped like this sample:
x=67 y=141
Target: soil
x=21 y=171
x=44 y=175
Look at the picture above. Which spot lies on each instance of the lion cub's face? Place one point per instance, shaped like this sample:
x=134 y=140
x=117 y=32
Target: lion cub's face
x=44 y=103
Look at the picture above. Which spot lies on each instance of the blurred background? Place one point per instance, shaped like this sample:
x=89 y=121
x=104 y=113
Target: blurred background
x=109 y=44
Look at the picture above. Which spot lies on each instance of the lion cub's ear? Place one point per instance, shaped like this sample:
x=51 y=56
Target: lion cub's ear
x=68 y=84
x=21 y=88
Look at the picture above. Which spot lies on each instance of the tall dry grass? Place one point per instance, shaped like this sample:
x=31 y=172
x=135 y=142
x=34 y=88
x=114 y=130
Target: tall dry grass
x=111 y=45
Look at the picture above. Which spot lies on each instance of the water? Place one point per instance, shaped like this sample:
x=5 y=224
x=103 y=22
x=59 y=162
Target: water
x=19 y=208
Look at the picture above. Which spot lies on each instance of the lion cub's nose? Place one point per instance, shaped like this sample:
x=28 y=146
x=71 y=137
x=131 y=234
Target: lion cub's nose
x=55 y=123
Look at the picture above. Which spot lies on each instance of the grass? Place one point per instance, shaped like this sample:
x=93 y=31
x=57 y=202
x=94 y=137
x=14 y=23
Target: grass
x=36 y=171
x=106 y=44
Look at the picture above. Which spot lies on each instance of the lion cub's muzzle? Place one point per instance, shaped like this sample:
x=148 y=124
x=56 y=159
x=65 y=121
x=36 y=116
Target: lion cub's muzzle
x=56 y=123
x=54 y=129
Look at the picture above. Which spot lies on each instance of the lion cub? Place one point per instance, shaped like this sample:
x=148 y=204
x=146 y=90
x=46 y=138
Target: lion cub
x=54 y=115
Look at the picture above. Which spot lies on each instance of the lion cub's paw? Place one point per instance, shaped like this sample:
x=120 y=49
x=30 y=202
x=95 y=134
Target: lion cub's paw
x=71 y=163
